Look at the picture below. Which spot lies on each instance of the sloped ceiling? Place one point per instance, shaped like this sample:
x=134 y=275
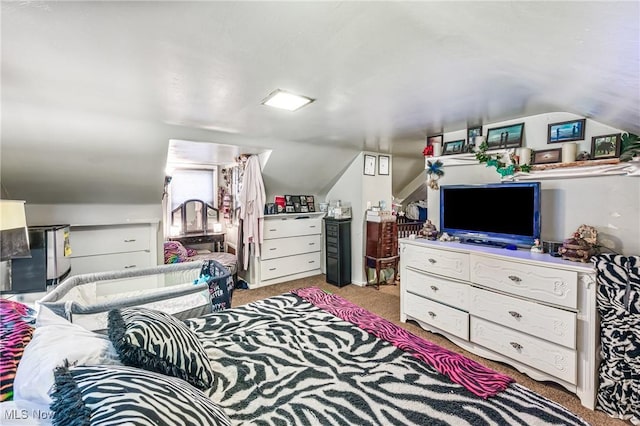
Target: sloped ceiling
x=92 y=92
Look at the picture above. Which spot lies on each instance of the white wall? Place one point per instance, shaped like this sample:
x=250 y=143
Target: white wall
x=611 y=204
x=356 y=188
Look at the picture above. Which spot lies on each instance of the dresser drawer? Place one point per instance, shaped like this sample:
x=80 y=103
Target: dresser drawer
x=452 y=293
x=438 y=315
x=89 y=240
x=447 y=263
x=281 y=228
x=289 y=246
x=279 y=267
x=110 y=262
x=545 y=284
x=545 y=356
x=546 y=322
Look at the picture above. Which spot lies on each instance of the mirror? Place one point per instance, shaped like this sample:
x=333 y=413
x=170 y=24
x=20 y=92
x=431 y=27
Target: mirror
x=193 y=217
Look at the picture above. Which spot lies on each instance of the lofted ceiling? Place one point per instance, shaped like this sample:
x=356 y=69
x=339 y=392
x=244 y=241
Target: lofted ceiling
x=92 y=92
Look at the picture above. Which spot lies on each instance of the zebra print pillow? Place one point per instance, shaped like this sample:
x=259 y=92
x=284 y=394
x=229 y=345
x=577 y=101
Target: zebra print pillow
x=158 y=342
x=109 y=395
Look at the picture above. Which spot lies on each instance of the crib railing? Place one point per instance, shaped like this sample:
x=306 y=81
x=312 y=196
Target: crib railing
x=407 y=227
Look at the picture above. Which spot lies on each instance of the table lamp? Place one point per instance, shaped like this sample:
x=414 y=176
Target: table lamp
x=14 y=238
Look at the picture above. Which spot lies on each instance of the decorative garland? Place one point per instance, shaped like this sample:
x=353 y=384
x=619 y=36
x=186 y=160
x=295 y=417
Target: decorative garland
x=501 y=167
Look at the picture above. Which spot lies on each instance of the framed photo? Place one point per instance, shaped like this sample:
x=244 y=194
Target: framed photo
x=289 y=209
x=270 y=208
x=303 y=199
x=304 y=208
x=287 y=200
x=434 y=139
x=546 y=156
x=566 y=131
x=453 y=147
x=369 y=165
x=383 y=164
x=506 y=136
x=472 y=132
x=607 y=146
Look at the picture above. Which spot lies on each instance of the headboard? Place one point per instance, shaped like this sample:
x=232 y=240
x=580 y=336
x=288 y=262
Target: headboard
x=194 y=217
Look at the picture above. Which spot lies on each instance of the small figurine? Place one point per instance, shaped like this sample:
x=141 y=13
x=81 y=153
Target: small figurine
x=536 y=247
x=445 y=237
x=429 y=230
x=583 y=156
x=576 y=249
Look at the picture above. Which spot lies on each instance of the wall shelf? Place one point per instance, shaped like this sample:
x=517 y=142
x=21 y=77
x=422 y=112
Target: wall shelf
x=577 y=169
x=580 y=169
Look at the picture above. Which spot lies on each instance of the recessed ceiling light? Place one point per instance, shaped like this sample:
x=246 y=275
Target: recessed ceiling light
x=285 y=100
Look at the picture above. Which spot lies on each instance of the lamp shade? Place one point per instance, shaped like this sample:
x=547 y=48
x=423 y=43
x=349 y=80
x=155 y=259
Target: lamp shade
x=14 y=237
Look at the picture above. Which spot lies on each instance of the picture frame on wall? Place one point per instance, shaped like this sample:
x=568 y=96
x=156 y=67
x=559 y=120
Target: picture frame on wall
x=453 y=147
x=509 y=136
x=566 y=131
x=369 y=165
x=383 y=164
x=547 y=156
x=605 y=146
x=434 y=139
x=472 y=132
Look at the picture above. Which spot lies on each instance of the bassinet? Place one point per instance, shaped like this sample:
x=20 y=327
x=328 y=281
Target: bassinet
x=86 y=299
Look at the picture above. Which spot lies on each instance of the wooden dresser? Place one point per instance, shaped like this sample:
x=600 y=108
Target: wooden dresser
x=381 y=249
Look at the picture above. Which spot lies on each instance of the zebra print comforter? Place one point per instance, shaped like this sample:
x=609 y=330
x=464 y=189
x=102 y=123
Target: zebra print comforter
x=285 y=361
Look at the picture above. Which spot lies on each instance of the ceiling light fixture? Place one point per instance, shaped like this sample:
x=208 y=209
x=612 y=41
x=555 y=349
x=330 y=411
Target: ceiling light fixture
x=285 y=100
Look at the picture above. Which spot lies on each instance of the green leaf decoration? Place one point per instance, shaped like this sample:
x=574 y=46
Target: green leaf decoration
x=629 y=146
x=501 y=167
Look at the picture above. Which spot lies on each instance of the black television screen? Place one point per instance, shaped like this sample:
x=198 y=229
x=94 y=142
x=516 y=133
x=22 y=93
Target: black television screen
x=498 y=213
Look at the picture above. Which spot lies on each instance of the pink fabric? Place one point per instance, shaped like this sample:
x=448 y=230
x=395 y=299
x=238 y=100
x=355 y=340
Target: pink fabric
x=475 y=377
x=175 y=252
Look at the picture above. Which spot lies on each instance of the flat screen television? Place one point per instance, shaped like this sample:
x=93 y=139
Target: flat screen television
x=498 y=214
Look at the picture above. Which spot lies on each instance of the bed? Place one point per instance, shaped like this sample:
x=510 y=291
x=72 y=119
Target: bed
x=305 y=357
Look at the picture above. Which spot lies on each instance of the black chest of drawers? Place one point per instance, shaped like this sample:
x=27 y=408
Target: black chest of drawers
x=338 y=250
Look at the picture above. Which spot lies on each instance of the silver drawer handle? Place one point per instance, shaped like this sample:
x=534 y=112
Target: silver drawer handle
x=272 y=269
x=516 y=345
x=515 y=314
x=273 y=248
x=312 y=226
x=312 y=261
x=515 y=278
x=129 y=266
x=272 y=230
x=129 y=241
x=434 y=288
x=312 y=244
x=432 y=314
x=432 y=261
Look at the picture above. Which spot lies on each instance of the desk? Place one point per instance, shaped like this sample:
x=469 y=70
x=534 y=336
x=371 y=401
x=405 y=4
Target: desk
x=217 y=239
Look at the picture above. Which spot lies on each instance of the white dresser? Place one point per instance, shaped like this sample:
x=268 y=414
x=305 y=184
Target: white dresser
x=532 y=311
x=99 y=248
x=291 y=249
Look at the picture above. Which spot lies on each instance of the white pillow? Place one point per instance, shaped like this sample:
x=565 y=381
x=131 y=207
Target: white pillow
x=55 y=340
